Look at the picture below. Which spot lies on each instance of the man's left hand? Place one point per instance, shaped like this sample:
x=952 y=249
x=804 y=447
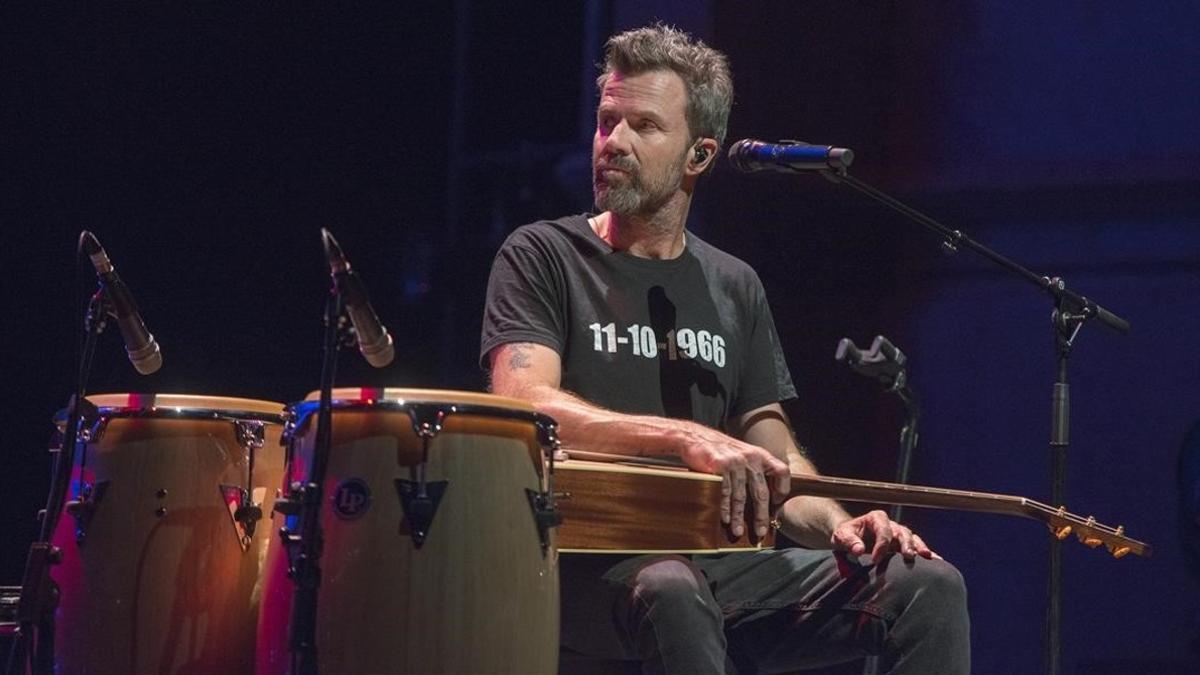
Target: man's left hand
x=882 y=535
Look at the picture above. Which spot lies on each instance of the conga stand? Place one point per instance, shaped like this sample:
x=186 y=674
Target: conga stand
x=1071 y=311
x=33 y=649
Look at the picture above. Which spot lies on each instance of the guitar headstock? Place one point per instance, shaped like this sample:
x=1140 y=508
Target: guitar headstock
x=1090 y=533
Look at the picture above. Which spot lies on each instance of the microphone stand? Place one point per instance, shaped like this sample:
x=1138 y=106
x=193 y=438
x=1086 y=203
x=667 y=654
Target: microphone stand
x=908 y=440
x=1071 y=312
x=304 y=545
x=33 y=649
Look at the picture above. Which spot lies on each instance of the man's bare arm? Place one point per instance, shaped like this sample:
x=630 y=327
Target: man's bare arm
x=819 y=522
x=534 y=372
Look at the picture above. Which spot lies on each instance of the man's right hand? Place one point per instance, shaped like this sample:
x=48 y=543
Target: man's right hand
x=745 y=471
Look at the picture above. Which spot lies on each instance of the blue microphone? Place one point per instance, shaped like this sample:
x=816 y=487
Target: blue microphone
x=787 y=156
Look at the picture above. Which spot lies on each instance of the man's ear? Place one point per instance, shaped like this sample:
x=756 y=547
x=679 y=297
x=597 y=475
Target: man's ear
x=702 y=154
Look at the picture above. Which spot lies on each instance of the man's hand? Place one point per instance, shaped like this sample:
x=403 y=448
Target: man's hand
x=881 y=534
x=744 y=469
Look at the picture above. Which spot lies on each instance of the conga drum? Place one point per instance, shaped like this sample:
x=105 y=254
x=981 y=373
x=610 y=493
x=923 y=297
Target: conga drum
x=467 y=584
x=161 y=554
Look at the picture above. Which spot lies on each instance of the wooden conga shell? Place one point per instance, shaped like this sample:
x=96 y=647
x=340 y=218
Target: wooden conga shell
x=163 y=580
x=478 y=595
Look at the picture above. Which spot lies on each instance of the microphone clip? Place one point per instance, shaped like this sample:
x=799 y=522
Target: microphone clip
x=882 y=362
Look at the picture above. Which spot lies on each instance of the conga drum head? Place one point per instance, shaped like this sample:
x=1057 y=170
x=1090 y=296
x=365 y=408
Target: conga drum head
x=160 y=572
x=433 y=558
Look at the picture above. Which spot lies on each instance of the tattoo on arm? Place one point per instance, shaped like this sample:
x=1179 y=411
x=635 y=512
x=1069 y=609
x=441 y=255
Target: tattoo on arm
x=518 y=357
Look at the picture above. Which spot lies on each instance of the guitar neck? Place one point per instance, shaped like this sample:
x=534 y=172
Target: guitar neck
x=853 y=490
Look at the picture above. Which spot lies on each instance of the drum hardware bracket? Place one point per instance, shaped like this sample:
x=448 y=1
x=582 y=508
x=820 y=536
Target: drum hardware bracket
x=248 y=516
x=92 y=430
x=245 y=515
x=91 y=425
x=427 y=422
x=548 y=436
x=300 y=496
x=420 y=501
x=545 y=516
x=251 y=435
x=84 y=507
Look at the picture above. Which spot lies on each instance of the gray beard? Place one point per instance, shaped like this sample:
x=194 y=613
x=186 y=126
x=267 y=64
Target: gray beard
x=636 y=198
x=625 y=200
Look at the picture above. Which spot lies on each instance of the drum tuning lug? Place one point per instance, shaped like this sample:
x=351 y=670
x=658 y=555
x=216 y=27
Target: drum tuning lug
x=419 y=504
x=84 y=507
x=251 y=434
x=248 y=515
x=288 y=507
x=564 y=496
x=427 y=420
x=545 y=516
x=160 y=511
x=161 y=493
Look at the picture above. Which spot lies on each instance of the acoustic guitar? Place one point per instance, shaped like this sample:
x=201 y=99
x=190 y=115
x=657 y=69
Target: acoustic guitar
x=632 y=506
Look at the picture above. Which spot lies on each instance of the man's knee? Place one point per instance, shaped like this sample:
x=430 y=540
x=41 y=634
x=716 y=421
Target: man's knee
x=930 y=582
x=670 y=581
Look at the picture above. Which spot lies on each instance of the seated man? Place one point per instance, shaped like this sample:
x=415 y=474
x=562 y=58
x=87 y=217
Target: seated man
x=640 y=338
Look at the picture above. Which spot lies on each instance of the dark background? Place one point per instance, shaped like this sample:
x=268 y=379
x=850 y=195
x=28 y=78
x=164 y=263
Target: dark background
x=206 y=145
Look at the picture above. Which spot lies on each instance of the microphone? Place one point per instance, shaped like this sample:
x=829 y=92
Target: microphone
x=143 y=351
x=883 y=361
x=373 y=339
x=787 y=156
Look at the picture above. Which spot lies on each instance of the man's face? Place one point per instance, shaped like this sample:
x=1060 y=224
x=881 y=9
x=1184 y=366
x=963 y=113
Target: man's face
x=641 y=142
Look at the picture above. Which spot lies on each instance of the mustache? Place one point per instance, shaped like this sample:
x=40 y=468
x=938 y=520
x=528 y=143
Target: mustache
x=619 y=162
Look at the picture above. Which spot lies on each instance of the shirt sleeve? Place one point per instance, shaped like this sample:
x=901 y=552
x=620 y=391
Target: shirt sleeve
x=765 y=377
x=524 y=299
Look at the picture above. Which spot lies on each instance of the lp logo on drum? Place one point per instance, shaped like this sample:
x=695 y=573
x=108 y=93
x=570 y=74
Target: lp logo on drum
x=351 y=499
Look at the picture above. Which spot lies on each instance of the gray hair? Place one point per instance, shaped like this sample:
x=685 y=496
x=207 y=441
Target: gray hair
x=704 y=70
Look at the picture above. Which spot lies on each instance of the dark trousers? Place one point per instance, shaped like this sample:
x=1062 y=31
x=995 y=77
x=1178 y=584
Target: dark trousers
x=771 y=611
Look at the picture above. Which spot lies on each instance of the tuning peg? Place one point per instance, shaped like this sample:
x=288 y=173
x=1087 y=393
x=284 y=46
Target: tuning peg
x=1086 y=539
x=1119 y=551
x=1061 y=532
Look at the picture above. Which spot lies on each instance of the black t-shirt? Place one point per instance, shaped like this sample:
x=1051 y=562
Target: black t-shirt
x=689 y=338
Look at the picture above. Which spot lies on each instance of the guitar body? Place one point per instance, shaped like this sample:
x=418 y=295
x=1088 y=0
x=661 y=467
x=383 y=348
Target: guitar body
x=618 y=508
